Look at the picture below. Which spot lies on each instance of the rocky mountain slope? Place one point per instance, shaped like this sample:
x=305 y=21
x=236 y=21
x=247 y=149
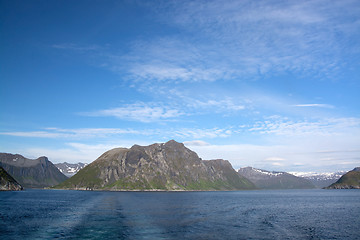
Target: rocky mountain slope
x=350 y=180
x=38 y=173
x=70 y=169
x=274 y=180
x=320 y=180
x=7 y=182
x=165 y=166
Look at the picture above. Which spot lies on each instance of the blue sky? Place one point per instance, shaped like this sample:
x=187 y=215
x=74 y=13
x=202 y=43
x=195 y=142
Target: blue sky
x=268 y=84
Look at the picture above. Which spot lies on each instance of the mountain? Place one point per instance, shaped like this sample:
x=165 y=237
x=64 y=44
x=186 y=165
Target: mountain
x=274 y=180
x=38 y=173
x=350 y=180
x=7 y=182
x=69 y=169
x=164 y=166
x=320 y=180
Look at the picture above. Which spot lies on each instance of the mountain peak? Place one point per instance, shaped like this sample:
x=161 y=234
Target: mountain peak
x=350 y=180
x=160 y=166
x=173 y=143
x=37 y=173
x=274 y=180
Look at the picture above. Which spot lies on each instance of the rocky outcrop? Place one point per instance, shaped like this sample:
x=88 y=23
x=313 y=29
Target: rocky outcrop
x=164 y=166
x=7 y=182
x=350 y=180
x=274 y=180
x=38 y=173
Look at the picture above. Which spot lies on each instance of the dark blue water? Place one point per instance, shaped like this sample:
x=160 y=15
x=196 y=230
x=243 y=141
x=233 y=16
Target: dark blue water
x=291 y=214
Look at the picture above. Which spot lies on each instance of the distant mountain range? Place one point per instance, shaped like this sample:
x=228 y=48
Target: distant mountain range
x=350 y=180
x=38 y=173
x=70 y=169
x=320 y=180
x=164 y=166
x=274 y=180
x=160 y=166
x=7 y=182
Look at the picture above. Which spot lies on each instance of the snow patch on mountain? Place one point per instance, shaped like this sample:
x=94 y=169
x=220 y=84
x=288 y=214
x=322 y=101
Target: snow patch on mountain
x=268 y=173
x=319 y=176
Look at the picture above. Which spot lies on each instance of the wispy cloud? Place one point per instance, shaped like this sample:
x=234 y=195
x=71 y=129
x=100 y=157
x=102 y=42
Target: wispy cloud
x=221 y=40
x=196 y=143
x=220 y=105
x=325 y=127
x=142 y=112
x=274 y=159
x=77 y=47
x=71 y=152
x=203 y=133
x=319 y=105
x=74 y=133
x=259 y=38
x=105 y=133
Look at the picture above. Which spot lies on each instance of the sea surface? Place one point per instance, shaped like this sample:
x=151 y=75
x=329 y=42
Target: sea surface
x=278 y=214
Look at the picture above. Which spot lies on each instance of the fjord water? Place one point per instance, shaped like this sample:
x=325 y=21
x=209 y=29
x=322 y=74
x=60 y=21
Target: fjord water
x=290 y=214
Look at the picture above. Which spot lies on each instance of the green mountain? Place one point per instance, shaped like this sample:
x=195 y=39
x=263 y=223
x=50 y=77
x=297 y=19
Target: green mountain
x=165 y=166
x=7 y=182
x=38 y=173
x=274 y=180
x=350 y=180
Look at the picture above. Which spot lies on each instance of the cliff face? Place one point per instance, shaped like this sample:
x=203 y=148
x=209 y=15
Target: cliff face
x=7 y=182
x=350 y=180
x=166 y=166
x=274 y=180
x=38 y=173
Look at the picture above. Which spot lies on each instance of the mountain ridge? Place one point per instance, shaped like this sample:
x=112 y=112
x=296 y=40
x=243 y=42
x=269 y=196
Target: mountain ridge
x=350 y=180
x=7 y=182
x=320 y=180
x=31 y=173
x=264 y=179
x=166 y=166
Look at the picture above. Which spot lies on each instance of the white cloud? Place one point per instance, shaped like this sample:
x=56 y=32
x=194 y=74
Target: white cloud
x=196 y=143
x=36 y=134
x=268 y=36
x=324 y=127
x=141 y=112
x=315 y=105
x=73 y=153
x=174 y=73
x=274 y=159
x=220 y=105
x=75 y=133
x=290 y=157
x=202 y=133
x=231 y=39
x=277 y=164
x=76 y=47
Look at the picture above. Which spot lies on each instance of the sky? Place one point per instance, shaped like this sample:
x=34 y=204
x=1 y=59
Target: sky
x=269 y=84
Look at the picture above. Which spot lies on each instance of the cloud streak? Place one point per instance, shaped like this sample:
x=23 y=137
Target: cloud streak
x=79 y=133
x=319 y=105
x=141 y=112
x=323 y=127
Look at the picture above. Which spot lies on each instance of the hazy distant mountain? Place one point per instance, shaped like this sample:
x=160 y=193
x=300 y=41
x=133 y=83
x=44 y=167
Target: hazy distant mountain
x=349 y=180
x=7 y=182
x=165 y=166
x=70 y=169
x=274 y=180
x=320 y=180
x=38 y=173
